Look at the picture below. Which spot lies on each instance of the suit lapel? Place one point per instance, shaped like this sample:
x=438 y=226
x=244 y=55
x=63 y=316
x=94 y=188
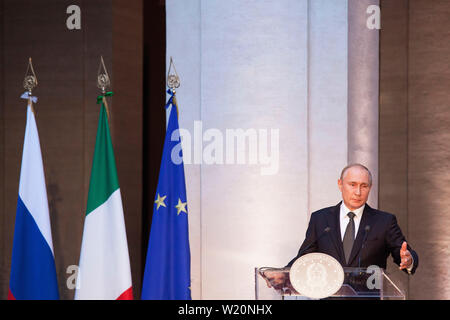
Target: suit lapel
x=366 y=220
x=335 y=231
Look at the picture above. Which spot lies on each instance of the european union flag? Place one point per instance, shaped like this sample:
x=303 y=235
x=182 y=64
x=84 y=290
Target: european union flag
x=167 y=274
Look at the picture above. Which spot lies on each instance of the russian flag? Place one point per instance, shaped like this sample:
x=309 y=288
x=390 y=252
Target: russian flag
x=33 y=272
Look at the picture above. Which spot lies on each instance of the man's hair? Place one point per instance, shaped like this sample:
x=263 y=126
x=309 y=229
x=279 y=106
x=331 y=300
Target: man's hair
x=356 y=165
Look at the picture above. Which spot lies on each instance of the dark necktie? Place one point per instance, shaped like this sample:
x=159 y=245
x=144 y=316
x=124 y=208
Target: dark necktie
x=349 y=236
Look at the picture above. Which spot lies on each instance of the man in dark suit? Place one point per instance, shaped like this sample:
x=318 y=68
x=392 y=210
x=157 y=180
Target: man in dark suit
x=353 y=233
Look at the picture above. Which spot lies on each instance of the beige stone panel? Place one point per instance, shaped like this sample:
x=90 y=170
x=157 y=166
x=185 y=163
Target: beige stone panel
x=429 y=146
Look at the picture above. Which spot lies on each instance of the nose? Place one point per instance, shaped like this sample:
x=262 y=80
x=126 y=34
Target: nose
x=358 y=190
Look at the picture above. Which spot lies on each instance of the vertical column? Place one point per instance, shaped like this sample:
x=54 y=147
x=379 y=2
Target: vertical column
x=428 y=146
x=254 y=77
x=393 y=160
x=327 y=97
x=363 y=62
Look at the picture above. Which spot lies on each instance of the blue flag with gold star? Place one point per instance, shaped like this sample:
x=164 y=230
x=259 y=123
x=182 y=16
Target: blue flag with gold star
x=167 y=274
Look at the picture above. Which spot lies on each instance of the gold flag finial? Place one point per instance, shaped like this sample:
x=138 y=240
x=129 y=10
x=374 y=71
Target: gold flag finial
x=173 y=80
x=103 y=80
x=30 y=82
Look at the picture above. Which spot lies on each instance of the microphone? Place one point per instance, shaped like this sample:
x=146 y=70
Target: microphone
x=366 y=229
x=353 y=275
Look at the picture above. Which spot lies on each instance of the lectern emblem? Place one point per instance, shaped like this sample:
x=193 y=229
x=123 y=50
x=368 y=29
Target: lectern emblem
x=316 y=275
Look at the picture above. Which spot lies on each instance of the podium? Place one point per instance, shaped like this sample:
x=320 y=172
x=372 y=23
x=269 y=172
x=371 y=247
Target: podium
x=359 y=284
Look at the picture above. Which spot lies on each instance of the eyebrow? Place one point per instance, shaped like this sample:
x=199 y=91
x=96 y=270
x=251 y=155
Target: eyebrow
x=358 y=182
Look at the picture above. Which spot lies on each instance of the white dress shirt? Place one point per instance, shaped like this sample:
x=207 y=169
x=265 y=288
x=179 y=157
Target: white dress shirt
x=344 y=218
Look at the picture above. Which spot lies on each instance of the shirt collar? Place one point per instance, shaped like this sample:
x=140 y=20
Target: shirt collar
x=358 y=212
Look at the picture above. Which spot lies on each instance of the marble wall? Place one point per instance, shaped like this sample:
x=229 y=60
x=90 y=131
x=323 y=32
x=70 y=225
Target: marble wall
x=414 y=134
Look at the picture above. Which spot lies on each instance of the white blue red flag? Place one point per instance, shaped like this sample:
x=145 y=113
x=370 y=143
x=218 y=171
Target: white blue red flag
x=33 y=272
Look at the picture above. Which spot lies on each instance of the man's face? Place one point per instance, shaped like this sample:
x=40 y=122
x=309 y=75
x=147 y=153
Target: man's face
x=355 y=187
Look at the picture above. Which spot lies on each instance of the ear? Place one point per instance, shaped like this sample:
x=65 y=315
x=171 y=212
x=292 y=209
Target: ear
x=340 y=184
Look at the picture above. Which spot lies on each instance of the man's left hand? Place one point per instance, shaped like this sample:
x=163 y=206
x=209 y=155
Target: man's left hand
x=405 y=256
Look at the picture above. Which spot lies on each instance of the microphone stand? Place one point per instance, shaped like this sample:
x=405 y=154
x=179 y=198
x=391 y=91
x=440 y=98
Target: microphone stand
x=366 y=232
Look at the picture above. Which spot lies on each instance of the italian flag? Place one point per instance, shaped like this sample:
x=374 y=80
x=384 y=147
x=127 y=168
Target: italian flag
x=104 y=269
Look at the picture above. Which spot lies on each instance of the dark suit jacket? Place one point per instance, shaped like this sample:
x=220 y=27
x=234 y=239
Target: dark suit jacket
x=383 y=239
